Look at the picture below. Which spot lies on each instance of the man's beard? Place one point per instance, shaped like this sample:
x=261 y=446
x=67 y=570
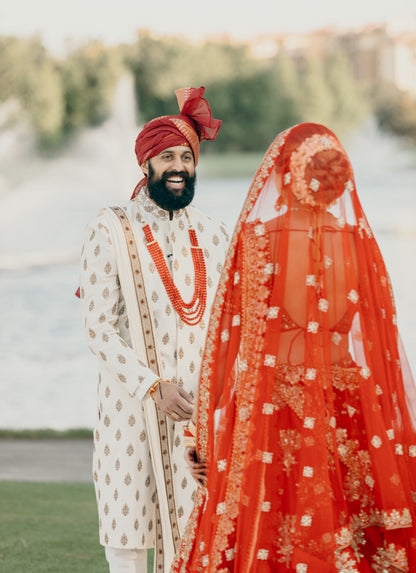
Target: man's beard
x=165 y=198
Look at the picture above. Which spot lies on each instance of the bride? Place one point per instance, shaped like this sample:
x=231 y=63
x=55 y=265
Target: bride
x=305 y=436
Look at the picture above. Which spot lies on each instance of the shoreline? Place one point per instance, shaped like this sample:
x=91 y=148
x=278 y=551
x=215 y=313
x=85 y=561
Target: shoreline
x=46 y=434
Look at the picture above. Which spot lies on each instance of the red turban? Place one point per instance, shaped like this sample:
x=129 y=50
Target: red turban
x=194 y=124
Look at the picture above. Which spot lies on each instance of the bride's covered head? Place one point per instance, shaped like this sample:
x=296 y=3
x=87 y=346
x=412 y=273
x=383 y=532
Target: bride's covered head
x=312 y=168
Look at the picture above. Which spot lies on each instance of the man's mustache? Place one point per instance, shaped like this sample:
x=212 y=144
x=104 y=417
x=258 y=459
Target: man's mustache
x=169 y=174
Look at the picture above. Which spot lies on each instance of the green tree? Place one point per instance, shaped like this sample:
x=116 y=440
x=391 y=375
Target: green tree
x=244 y=104
x=161 y=65
x=315 y=100
x=254 y=97
x=45 y=103
x=89 y=77
x=350 y=104
x=396 y=111
x=13 y=66
x=29 y=74
x=284 y=107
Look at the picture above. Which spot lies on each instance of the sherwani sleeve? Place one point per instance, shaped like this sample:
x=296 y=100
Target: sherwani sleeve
x=100 y=296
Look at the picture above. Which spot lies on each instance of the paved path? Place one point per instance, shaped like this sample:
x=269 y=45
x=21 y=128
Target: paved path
x=46 y=460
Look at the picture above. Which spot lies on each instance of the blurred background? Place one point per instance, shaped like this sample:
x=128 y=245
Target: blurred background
x=77 y=80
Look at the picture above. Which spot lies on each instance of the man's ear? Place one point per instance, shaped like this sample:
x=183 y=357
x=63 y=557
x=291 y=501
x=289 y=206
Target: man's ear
x=145 y=167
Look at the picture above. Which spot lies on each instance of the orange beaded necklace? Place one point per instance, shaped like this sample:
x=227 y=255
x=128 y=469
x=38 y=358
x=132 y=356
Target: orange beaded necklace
x=192 y=312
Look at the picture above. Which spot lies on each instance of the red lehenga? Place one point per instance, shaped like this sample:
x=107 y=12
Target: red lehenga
x=306 y=407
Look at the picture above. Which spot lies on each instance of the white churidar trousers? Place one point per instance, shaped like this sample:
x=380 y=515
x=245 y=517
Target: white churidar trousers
x=126 y=560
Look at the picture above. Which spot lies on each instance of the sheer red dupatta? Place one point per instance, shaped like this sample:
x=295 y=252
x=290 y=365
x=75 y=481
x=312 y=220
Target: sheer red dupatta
x=306 y=403
x=216 y=388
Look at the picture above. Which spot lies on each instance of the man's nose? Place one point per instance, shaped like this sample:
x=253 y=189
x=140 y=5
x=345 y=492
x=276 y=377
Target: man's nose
x=177 y=164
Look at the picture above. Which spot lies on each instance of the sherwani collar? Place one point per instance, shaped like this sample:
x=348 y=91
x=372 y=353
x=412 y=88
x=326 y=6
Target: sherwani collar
x=150 y=207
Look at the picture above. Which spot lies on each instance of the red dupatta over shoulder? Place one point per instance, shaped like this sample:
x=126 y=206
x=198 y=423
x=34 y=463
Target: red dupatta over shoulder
x=306 y=407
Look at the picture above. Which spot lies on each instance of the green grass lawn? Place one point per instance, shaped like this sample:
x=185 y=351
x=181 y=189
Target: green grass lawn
x=49 y=527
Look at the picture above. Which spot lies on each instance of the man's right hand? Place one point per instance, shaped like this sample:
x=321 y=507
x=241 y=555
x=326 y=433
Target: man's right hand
x=173 y=401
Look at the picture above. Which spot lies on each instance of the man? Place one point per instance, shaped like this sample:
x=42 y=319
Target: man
x=148 y=278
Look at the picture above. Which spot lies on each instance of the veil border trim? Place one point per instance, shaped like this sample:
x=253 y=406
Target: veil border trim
x=204 y=389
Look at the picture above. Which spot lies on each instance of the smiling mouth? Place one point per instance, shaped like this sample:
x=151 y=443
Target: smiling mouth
x=175 y=183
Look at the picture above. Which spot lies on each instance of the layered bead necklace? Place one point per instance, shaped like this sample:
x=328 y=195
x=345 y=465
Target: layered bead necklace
x=192 y=312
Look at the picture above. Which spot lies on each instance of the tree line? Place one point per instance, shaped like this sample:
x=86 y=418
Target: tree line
x=255 y=98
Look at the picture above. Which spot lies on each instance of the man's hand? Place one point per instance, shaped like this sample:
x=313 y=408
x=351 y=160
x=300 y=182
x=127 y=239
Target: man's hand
x=198 y=469
x=173 y=401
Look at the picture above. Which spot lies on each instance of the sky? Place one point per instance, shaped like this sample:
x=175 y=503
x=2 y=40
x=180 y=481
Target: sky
x=116 y=21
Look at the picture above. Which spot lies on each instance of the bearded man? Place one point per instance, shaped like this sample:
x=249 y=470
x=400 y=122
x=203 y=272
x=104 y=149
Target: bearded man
x=148 y=277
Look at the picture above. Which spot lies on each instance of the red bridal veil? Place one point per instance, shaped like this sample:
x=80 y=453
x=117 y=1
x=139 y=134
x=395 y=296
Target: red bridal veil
x=306 y=407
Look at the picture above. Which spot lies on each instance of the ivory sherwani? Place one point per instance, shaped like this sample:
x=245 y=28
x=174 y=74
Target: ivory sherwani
x=123 y=471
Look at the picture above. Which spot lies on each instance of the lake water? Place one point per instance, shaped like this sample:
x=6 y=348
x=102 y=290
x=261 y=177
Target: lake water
x=48 y=376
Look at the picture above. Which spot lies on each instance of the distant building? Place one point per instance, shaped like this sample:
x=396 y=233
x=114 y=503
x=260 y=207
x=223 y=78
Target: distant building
x=379 y=53
x=384 y=53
